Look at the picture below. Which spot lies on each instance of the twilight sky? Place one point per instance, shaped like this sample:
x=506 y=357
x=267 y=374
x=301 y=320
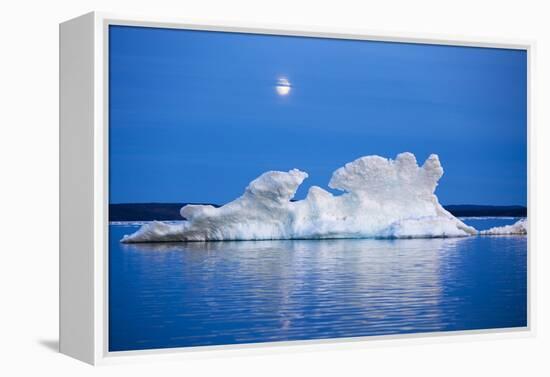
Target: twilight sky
x=195 y=116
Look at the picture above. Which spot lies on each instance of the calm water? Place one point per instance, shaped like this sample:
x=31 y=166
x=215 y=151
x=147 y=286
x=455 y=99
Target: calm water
x=191 y=294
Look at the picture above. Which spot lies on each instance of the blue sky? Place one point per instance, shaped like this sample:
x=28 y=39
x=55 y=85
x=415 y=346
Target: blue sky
x=195 y=116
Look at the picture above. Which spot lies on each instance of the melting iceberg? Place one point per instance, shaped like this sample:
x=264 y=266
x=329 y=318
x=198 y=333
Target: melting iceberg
x=382 y=198
x=518 y=228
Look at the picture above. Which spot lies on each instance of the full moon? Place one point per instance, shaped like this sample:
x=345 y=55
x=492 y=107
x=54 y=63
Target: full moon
x=283 y=87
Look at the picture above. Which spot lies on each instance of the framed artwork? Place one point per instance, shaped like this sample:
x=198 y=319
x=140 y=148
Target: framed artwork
x=228 y=187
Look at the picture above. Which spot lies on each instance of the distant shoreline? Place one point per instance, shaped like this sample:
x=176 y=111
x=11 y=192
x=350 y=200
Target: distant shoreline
x=171 y=211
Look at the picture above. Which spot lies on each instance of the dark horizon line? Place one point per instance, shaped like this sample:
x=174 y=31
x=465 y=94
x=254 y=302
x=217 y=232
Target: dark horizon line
x=171 y=211
x=219 y=205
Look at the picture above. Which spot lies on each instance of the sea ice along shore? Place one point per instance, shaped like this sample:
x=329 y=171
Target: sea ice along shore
x=520 y=227
x=381 y=198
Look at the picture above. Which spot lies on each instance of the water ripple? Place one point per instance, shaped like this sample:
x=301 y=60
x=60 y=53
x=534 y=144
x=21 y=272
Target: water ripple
x=188 y=294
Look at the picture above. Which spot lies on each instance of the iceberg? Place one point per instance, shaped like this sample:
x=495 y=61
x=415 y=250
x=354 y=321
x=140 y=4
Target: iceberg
x=518 y=228
x=380 y=198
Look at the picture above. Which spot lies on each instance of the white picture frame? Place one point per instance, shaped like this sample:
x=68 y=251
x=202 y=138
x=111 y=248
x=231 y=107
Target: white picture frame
x=84 y=189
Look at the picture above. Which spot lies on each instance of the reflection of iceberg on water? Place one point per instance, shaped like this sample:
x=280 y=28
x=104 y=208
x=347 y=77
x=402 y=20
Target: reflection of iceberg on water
x=370 y=284
x=382 y=198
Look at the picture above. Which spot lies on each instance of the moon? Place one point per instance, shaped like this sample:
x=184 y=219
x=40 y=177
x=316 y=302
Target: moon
x=283 y=87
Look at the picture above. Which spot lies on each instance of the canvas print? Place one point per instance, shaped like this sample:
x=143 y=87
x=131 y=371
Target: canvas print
x=268 y=188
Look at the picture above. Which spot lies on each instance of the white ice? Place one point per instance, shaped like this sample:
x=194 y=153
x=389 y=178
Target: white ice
x=382 y=198
x=518 y=228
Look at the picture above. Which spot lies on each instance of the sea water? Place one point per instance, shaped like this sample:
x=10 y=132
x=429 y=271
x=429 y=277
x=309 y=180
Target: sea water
x=213 y=293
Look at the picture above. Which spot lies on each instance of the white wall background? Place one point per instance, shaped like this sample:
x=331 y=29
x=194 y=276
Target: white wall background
x=29 y=183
